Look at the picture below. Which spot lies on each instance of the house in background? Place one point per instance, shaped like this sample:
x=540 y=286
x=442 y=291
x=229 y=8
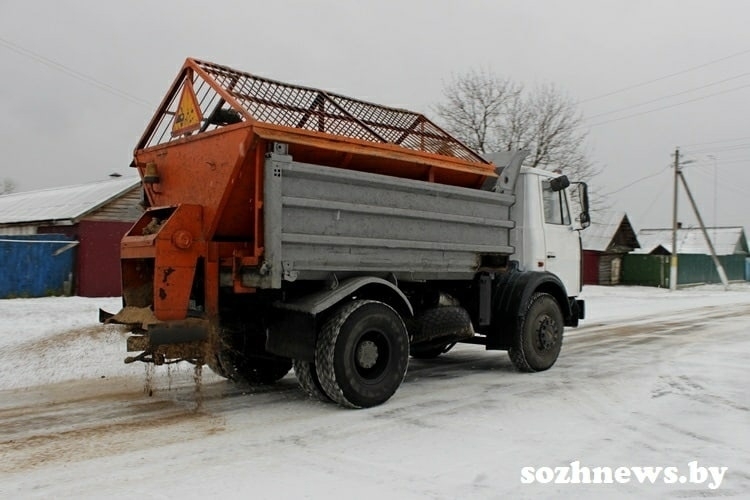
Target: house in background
x=609 y=238
x=649 y=265
x=726 y=241
x=66 y=239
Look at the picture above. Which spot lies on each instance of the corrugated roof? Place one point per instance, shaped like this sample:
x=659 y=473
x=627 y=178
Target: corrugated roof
x=604 y=226
x=726 y=240
x=62 y=204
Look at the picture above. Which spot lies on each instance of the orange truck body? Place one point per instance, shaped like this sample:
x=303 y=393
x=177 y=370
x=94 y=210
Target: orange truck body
x=201 y=159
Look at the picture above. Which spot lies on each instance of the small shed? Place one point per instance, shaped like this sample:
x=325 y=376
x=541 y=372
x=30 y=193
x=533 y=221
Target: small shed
x=649 y=265
x=91 y=219
x=605 y=242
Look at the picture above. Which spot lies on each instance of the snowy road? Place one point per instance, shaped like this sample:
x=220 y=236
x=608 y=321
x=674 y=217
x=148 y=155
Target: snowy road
x=664 y=389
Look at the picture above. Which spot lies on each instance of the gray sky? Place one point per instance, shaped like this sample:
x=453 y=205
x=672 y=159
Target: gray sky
x=74 y=115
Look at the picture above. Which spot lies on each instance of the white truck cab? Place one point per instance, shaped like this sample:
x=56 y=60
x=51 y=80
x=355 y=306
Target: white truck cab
x=548 y=219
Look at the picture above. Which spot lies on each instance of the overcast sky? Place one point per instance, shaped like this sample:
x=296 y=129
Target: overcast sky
x=81 y=79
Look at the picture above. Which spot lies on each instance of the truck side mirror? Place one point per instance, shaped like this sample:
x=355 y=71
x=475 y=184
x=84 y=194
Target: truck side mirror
x=583 y=197
x=559 y=183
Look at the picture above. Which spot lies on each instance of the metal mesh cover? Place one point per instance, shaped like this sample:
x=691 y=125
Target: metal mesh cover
x=305 y=108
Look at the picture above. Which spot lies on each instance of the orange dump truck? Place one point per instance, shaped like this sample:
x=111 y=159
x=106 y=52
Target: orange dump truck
x=288 y=226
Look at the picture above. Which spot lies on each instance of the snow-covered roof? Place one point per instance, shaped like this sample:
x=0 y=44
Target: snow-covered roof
x=604 y=226
x=62 y=204
x=726 y=240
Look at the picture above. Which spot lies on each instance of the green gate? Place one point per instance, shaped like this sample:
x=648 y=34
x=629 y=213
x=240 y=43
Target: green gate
x=645 y=270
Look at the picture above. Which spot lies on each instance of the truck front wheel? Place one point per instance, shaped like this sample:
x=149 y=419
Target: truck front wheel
x=362 y=353
x=538 y=340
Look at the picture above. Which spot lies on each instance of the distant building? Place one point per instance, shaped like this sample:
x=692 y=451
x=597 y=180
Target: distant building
x=44 y=232
x=649 y=265
x=726 y=241
x=605 y=242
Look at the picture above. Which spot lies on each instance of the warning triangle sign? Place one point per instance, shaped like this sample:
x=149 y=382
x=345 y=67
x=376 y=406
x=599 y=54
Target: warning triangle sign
x=188 y=116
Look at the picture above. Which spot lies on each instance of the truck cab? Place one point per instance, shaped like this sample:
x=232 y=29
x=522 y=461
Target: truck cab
x=548 y=219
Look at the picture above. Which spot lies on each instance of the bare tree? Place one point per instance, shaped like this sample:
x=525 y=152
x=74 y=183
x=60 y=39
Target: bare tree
x=475 y=103
x=7 y=186
x=489 y=114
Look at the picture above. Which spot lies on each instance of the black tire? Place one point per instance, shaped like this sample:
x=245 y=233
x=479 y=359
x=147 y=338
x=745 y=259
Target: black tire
x=263 y=370
x=450 y=323
x=362 y=353
x=430 y=352
x=307 y=377
x=250 y=369
x=219 y=366
x=538 y=340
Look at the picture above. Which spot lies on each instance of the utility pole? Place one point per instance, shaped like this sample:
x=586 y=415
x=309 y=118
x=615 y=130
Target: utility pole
x=716 y=191
x=717 y=263
x=678 y=175
x=673 y=260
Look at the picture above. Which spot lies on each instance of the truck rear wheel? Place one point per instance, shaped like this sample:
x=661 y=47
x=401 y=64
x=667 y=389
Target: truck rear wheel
x=240 y=355
x=362 y=354
x=254 y=370
x=539 y=338
x=307 y=377
x=264 y=371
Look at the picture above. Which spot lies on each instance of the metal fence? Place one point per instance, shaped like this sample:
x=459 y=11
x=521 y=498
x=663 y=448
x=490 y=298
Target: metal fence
x=692 y=269
x=36 y=265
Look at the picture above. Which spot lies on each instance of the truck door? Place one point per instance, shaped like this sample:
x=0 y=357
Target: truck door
x=562 y=241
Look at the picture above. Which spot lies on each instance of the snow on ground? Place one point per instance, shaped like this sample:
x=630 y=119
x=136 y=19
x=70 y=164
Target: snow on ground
x=608 y=304
x=653 y=378
x=54 y=339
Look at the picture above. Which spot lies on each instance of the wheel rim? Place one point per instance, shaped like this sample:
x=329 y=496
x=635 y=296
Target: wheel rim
x=547 y=335
x=371 y=355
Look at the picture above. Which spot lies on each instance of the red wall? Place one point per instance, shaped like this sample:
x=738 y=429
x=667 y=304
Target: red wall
x=97 y=262
x=98 y=266
x=590 y=267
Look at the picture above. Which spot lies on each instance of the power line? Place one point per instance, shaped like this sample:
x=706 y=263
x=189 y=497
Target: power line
x=643 y=213
x=669 y=106
x=73 y=73
x=648 y=82
x=667 y=96
x=637 y=181
x=717 y=142
x=733 y=147
x=722 y=162
x=725 y=184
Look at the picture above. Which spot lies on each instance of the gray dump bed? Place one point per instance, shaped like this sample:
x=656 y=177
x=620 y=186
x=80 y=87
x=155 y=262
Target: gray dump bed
x=322 y=220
